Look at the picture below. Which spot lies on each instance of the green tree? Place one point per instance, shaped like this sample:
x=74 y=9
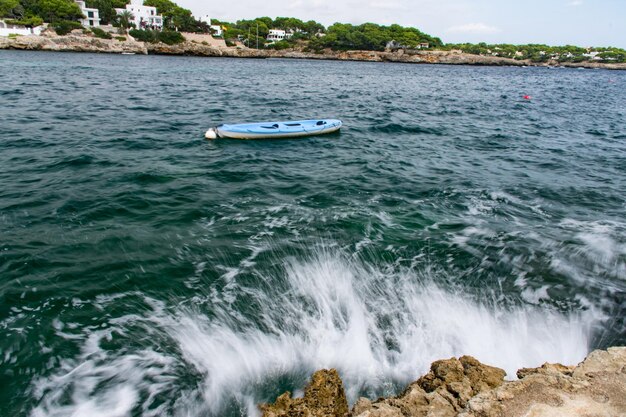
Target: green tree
x=232 y=32
x=267 y=20
x=252 y=25
x=7 y=7
x=370 y=36
x=124 y=19
x=175 y=16
x=153 y=36
x=63 y=27
x=105 y=10
x=246 y=30
x=99 y=33
x=30 y=22
x=57 y=10
x=313 y=28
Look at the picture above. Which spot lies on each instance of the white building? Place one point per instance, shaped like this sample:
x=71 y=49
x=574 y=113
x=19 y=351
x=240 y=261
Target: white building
x=277 y=35
x=398 y=45
x=7 y=29
x=92 y=16
x=595 y=55
x=144 y=17
x=217 y=30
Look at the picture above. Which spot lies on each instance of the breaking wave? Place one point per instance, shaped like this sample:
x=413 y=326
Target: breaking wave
x=381 y=327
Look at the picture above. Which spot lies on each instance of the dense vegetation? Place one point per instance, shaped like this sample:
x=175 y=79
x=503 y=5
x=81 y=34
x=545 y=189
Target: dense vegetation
x=176 y=17
x=167 y=36
x=246 y=30
x=63 y=27
x=542 y=53
x=371 y=37
x=106 y=9
x=99 y=33
x=34 y=12
x=368 y=36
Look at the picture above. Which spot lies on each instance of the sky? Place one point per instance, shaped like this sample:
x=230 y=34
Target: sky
x=553 y=22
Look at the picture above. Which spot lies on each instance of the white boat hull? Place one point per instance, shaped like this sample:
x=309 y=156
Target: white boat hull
x=291 y=130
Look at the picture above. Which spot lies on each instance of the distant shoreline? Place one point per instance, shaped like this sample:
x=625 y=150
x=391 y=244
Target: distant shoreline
x=81 y=43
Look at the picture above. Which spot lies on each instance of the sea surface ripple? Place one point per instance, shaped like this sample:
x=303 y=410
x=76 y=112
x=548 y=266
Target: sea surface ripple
x=145 y=271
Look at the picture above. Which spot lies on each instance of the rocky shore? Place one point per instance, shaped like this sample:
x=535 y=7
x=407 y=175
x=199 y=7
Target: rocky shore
x=73 y=43
x=464 y=387
x=78 y=42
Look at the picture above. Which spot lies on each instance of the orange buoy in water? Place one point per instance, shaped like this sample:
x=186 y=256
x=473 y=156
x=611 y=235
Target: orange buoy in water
x=527 y=97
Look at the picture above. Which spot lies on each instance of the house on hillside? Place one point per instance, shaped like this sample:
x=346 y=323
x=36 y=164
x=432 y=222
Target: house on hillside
x=277 y=35
x=216 y=30
x=394 y=45
x=144 y=17
x=593 y=55
x=92 y=16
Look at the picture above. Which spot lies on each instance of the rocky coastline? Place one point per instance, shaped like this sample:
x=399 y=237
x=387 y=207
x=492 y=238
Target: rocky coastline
x=78 y=42
x=464 y=387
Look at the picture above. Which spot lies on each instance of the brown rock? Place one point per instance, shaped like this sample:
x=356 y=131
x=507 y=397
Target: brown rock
x=596 y=387
x=443 y=392
x=76 y=42
x=612 y=360
x=441 y=373
x=323 y=397
x=464 y=377
x=362 y=405
x=465 y=387
x=481 y=377
x=545 y=369
x=79 y=42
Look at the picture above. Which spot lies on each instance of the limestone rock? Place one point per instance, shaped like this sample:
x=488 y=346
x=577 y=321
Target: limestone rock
x=465 y=387
x=546 y=368
x=75 y=42
x=596 y=387
x=443 y=392
x=415 y=57
x=323 y=397
x=612 y=360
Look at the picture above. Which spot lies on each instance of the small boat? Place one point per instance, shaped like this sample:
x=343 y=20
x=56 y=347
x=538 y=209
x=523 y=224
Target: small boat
x=266 y=130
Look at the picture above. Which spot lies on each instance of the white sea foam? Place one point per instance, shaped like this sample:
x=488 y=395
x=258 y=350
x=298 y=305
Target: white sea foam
x=377 y=326
x=600 y=246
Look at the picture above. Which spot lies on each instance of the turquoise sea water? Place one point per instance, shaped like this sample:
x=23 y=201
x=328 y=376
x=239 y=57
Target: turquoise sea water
x=145 y=271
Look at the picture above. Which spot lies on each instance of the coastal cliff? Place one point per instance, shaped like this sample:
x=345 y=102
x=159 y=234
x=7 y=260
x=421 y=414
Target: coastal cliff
x=78 y=42
x=464 y=387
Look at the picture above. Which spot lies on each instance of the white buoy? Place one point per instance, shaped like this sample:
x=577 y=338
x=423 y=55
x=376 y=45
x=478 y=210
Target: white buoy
x=210 y=134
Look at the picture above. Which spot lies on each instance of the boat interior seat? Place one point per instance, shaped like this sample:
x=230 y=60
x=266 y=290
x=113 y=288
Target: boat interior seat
x=274 y=126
